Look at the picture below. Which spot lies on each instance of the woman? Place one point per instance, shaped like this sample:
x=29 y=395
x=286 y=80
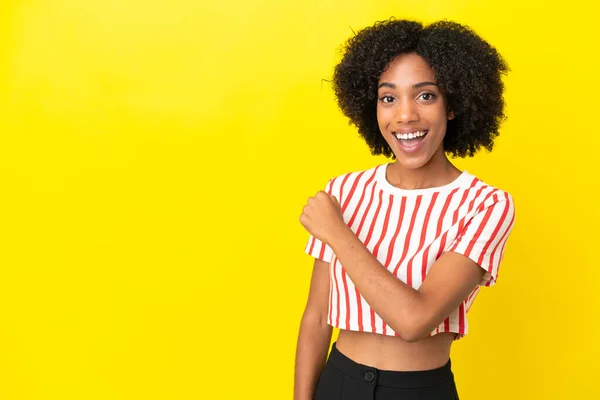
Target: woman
x=402 y=249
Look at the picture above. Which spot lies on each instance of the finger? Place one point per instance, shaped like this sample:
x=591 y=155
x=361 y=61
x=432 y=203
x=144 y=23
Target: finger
x=335 y=200
x=303 y=219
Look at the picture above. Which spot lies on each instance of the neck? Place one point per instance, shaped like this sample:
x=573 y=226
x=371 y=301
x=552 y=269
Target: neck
x=438 y=171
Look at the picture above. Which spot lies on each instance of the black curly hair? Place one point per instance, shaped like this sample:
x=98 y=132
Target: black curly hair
x=468 y=71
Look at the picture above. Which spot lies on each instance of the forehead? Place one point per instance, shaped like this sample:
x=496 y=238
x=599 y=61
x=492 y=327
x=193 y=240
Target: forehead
x=406 y=70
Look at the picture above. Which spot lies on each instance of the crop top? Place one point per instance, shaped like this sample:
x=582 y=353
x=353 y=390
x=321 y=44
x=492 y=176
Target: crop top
x=407 y=231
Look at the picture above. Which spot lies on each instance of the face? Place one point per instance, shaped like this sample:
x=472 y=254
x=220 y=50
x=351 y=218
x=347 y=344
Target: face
x=411 y=111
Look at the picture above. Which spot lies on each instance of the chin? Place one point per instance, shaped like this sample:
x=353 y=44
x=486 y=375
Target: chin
x=411 y=163
x=418 y=159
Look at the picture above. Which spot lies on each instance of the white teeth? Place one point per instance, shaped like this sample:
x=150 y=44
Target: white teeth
x=412 y=135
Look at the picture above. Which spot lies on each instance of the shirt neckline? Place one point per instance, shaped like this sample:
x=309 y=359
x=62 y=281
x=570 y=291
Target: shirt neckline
x=463 y=180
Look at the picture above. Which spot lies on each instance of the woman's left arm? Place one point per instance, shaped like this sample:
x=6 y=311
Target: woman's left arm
x=412 y=313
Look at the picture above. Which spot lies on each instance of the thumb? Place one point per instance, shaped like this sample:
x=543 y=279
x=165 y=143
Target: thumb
x=335 y=200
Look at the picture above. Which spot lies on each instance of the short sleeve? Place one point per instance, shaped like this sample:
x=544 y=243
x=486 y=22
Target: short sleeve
x=315 y=247
x=483 y=238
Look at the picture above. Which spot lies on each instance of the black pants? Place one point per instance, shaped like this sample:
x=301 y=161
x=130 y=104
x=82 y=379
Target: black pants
x=344 y=379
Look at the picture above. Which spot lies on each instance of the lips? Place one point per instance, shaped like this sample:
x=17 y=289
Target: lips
x=410 y=140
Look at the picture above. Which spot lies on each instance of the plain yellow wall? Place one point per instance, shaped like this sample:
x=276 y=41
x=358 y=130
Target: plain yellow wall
x=154 y=159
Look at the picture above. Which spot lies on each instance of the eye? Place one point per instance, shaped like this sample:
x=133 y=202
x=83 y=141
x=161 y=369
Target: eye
x=427 y=96
x=386 y=99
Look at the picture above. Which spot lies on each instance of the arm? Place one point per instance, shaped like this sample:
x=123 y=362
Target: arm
x=314 y=336
x=413 y=314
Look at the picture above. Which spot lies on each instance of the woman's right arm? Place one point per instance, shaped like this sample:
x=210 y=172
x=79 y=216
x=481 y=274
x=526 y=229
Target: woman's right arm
x=314 y=336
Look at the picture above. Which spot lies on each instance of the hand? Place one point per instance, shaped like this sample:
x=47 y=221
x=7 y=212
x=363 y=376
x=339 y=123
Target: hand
x=322 y=217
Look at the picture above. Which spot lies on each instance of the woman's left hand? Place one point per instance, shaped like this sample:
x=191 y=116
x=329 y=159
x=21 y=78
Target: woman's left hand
x=322 y=217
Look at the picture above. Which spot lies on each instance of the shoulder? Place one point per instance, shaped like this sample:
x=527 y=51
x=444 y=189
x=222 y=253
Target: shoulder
x=485 y=196
x=346 y=182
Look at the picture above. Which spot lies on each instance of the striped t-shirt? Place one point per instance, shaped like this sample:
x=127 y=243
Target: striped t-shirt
x=407 y=231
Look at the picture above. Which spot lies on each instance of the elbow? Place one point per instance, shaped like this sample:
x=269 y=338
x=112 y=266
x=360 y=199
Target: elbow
x=415 y=321
x=414 y=335
x=315 y=320
x=412 y=330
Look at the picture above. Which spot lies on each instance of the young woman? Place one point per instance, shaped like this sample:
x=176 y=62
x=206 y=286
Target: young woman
x=402 y=249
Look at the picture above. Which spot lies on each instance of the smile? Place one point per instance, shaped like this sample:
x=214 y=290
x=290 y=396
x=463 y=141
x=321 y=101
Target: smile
x=411 y=135
x=411 y=142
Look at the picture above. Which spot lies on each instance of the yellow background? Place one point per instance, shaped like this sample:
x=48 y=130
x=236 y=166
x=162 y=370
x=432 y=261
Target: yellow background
x=154 y=159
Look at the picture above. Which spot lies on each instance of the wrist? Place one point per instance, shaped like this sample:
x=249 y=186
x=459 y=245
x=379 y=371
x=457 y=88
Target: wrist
x=341 y=234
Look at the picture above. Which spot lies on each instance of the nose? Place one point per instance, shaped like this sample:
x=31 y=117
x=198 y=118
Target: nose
x=406 y=112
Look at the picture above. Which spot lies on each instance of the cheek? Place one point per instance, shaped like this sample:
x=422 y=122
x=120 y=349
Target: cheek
x=383 y=116
x=439 y=117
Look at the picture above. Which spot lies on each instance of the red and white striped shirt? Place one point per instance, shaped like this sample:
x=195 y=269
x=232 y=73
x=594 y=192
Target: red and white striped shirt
x=407 y=231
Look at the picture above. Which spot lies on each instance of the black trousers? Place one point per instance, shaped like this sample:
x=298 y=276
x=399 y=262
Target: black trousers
x=344 y=379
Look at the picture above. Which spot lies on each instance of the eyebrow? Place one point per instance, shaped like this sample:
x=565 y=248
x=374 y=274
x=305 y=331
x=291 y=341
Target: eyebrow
x=415 y=86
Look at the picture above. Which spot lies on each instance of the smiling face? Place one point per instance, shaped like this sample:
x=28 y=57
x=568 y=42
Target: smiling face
x=411 y=111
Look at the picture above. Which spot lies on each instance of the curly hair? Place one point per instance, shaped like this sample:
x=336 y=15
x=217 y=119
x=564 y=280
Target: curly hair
x=468 y=71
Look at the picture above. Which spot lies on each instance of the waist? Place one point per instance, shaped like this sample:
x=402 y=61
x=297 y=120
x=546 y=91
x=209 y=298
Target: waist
x=397 y=379
x=394 y=354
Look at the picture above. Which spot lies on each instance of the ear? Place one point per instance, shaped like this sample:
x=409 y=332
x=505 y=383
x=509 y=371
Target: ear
x=450 y=115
